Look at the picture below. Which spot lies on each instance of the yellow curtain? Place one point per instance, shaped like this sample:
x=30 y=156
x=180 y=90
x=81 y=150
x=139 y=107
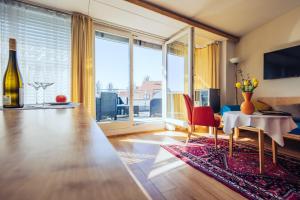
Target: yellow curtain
x=83 y=86
x=206 y=69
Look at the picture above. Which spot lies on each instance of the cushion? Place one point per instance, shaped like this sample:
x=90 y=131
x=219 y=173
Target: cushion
x=296 y=131
x=227 y=108
x=294 y=109
x=261 y=106
x=297 y=119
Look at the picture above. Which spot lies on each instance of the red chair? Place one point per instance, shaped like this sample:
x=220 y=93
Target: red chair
x=202 y=116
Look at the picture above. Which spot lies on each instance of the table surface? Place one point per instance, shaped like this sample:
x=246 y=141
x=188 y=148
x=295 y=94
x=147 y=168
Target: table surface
x=60 y=154
x=273 y=125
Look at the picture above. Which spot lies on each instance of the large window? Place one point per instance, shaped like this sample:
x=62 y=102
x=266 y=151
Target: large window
x=147 y=76
x=112 y=77
x=43 y=47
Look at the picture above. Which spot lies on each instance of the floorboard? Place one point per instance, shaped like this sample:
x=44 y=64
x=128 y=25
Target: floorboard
x=166 y=177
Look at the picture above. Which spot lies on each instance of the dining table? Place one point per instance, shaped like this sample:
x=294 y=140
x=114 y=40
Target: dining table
x=272 y=125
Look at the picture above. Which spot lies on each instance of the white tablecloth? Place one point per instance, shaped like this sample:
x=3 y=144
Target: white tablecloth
x=273 y=126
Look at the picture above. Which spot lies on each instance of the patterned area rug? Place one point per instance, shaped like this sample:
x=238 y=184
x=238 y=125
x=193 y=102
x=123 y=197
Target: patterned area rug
x=241 y=173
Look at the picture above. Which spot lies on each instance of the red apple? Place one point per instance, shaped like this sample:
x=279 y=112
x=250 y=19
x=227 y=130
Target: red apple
x=61 y=99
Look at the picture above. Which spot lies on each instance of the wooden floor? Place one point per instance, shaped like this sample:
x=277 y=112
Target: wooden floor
x=167 y=177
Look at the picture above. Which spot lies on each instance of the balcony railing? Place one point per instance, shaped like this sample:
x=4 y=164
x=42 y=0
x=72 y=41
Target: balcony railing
x=113 y=104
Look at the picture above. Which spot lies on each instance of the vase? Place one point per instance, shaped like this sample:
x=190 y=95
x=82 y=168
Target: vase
x=247 y=106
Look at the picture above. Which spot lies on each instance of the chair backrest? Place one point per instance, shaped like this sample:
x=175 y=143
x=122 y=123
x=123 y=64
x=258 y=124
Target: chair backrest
x=189 y=107
x=120 y=101
x=204 y=116
x=98 y=108
x=108 y=106
x=156 y=107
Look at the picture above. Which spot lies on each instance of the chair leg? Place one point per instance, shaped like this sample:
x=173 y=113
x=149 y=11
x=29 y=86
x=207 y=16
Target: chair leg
x=230 y=144
x=192 y=128
x=216 y=136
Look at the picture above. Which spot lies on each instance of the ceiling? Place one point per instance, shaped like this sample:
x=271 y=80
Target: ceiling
x=120 y=12
x=237 y=17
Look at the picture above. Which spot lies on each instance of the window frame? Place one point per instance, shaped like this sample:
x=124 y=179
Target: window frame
x=125 y=127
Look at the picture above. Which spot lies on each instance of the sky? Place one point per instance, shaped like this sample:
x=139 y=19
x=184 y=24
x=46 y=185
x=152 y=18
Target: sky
x=112 y=65
x=175 y=74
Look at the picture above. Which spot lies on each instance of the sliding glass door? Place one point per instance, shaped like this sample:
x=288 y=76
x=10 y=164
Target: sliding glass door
x=178 y=79
x=128 y=82
x=133 y=88
x=147 y=77
x=112 y=63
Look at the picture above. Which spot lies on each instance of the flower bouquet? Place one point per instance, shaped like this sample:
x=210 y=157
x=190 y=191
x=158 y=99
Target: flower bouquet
x=247 y=86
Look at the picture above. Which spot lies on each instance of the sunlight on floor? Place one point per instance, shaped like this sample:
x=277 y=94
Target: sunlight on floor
x=133 y=158
x=162 y=156
x=164 y=162
x=161 y=161
x=165 y=168
x=171 y=133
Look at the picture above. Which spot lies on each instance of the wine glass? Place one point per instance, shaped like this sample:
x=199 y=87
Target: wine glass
x=44 y=86
x=36 y=87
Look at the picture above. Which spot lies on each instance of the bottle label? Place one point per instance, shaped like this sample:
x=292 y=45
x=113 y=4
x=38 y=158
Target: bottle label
x=6 y=100
x=21 y=96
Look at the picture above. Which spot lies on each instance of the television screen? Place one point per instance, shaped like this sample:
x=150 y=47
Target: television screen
x=282 y=63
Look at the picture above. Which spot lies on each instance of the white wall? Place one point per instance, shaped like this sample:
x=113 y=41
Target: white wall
x=279 y=33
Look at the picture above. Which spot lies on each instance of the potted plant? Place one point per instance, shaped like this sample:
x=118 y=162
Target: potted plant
x=247 y=86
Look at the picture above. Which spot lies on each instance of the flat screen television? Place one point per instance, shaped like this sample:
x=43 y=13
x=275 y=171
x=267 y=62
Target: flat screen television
x=282 y=63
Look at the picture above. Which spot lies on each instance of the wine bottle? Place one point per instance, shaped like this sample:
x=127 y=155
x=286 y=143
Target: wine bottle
x=13 y=95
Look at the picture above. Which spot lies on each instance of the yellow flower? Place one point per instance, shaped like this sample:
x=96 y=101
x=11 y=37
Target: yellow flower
x=254 y=80
x=238 y=85
x=246 y=82
x=255 y=84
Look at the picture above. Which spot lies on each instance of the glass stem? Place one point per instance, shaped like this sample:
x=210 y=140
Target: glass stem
x=36 y=96
x=43 y=97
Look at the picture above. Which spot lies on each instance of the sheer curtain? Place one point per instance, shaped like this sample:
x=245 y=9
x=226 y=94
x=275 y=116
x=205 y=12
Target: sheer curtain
x=43 y=47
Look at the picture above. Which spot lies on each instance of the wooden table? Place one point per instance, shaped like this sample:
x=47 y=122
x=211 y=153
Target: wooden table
x=261 y=145
x=273 y=125
x=60 y=154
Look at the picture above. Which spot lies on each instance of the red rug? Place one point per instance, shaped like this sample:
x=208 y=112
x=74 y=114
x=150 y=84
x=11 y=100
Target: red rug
x=241 y=173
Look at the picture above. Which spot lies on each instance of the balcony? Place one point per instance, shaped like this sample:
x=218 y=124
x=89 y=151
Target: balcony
x=113 y=105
